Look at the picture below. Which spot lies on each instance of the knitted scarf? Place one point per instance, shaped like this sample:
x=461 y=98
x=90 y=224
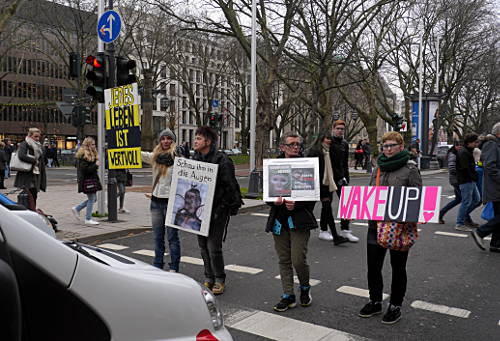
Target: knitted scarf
x=328 y=176
x=389 y=164
x=37 y=148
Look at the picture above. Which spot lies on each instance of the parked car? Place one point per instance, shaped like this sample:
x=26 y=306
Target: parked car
x=236 y=151
x=54 y=290
x=441 y=155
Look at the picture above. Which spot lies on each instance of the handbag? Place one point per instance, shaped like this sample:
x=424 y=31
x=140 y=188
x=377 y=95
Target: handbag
x=393 y=235
x=90 y=185
x=17 y=164
x=488 y=213
x=130 y=180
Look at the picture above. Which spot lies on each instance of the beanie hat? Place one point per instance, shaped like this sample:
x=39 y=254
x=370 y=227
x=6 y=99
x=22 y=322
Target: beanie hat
x=168 y=132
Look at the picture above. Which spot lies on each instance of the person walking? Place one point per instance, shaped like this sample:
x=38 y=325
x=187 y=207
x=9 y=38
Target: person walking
x=395 y=169
x=359 y=156
x=321 y=150
x=88 y=179
x=367 y=150
x=121 y=182
x=9 y=149
x=490 y=157
x=467 y=181
x=226 y=202
x=452 y=176
x=34 y=180
x=339 y=156
x=290 y=223
x=162 y=160
x=3 y=163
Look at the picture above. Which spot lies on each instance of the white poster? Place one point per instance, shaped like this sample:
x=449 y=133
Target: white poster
x=295 y=179
x=191 y=195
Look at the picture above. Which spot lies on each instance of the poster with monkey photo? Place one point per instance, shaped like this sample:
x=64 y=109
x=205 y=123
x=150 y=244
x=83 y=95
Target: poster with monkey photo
x=191 y=195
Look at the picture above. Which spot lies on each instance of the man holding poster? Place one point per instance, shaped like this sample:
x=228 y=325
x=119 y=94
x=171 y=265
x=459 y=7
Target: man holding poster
x=226 y=202
x=291 y=222
x=394 y=168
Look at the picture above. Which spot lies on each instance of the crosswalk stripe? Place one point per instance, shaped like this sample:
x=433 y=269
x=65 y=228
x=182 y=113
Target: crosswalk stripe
x=345 y=289
x=312 y=282
x=244 y=269
x=149 y=253
x=192 y=260
x=442 y=309
x=450 y=234
x=256 y=214
x=280 y=328
x=111 y=246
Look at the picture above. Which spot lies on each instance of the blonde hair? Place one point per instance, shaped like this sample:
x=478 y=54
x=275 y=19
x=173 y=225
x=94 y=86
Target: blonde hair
x=158 y=150
x=32 y=131
x=87 y=150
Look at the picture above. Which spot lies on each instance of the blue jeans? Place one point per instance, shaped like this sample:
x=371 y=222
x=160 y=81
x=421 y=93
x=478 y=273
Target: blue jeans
x=7 y=171
x=455 y=202
x=480 y=172
x=470 y=201
x=89 y=203
x=158 y=213
x=492 y=226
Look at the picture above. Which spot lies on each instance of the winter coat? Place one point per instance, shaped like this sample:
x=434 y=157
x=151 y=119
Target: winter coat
x=466 y=166
x=302 y=214
x=162 y=188
x=490 y=156
x=86 y=170
x=339 y=151
x=28 y=179
x=452 y=166
x=3 y=159
x=227 y=196
x=408 y=176
x=121 y=175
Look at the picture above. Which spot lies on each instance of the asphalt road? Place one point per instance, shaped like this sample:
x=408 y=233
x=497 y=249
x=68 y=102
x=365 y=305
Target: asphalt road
x=444 y=272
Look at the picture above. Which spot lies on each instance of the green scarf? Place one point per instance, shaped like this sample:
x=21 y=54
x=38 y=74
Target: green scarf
x=389 y=164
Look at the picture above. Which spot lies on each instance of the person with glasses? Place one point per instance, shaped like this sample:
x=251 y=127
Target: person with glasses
x=396 y=169
x=339 y=156
x=290 y=223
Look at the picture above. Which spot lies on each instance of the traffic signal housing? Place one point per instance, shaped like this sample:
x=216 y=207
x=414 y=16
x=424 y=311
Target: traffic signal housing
x=212 y=120
x=123 y=75
x=97 y=75
x=397 y=122
x=74 y=64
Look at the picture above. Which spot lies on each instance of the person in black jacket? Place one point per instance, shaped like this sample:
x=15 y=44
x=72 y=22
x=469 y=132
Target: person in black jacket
x=9 y=149
x=226 y=202
x=3 y=162
x=467 y=179
x=34 y=180
x=321 y=150
x=291 y=222
x=339 y=155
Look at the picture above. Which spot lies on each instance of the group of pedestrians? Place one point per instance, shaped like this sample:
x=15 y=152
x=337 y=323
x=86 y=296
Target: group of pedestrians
x=362 y=154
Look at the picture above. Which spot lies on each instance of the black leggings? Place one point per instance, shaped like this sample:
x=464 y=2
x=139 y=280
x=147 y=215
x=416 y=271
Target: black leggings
x=327 y=218
x=376 y=255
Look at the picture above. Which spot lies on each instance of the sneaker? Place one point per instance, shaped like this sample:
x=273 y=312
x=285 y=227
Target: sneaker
x=463 y=228
x=340 y=240
x=371 y=309
x=495 y=249
x=91 y=222
x=218 y=288
x=348 y=234
x=287 y=301
x=172 y=270
x=208 y=284
x=124 y=210
x=392 y=315
x=441 y=220
x=478 y=240
x=325 y=235
x=305 y=296
x=471 y=224
x=75 y=213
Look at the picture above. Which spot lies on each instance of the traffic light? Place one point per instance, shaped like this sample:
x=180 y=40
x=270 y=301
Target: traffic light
x=74 y=65
x=397 y=122
x=86 y=115
x=97 y=75
x=212 y=120
x=123 y=67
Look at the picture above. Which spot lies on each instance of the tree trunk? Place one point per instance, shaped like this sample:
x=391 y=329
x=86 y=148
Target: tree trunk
x=147 y=112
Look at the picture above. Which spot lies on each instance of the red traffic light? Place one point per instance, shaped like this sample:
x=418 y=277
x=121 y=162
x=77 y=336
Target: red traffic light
x=93 y=61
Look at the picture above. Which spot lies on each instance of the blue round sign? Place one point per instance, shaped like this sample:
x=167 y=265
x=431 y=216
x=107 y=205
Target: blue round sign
x=108 y=26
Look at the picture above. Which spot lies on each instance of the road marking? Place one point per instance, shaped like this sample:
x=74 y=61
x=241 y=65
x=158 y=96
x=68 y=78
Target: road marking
x=357 y=292
x=442 y=309
x=260 y=214
x=450 y=234
x=115 y=247
x=192 y=260
x=312 y=282
x=499 y=322
x=149 y=253
x=245 y=269
x=280 y=328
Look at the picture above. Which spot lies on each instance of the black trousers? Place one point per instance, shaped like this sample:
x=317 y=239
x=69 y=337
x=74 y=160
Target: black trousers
x=326 y=218
x=376 y=255
x=344 y=223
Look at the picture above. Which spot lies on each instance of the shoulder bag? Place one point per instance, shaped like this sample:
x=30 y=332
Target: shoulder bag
x=17 y=165
x=393 y=235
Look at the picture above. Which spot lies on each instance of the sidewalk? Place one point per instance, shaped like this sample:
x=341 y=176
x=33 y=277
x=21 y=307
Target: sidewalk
x=58 y=201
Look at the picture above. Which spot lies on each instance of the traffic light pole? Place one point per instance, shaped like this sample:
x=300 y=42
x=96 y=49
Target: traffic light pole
x=100 y=130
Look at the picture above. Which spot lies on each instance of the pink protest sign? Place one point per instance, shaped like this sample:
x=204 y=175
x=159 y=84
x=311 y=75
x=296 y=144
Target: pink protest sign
x=394 y=203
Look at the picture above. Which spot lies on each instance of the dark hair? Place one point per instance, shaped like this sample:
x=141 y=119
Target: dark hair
x=470 y=138
x=207 y=133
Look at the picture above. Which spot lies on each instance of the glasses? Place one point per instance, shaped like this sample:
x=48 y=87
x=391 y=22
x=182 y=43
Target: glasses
x=388 y=146
x=291 y=145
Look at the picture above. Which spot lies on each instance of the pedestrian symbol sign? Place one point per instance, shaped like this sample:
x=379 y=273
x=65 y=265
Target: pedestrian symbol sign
x=109 y=26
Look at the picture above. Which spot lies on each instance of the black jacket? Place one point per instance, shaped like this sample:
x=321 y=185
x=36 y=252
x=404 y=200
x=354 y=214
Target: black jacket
x=302 y=214
x=466 y=166
x=86 y=170
x=3 y=159
x=339 y=154
x=29 y=179
x=227 y=196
